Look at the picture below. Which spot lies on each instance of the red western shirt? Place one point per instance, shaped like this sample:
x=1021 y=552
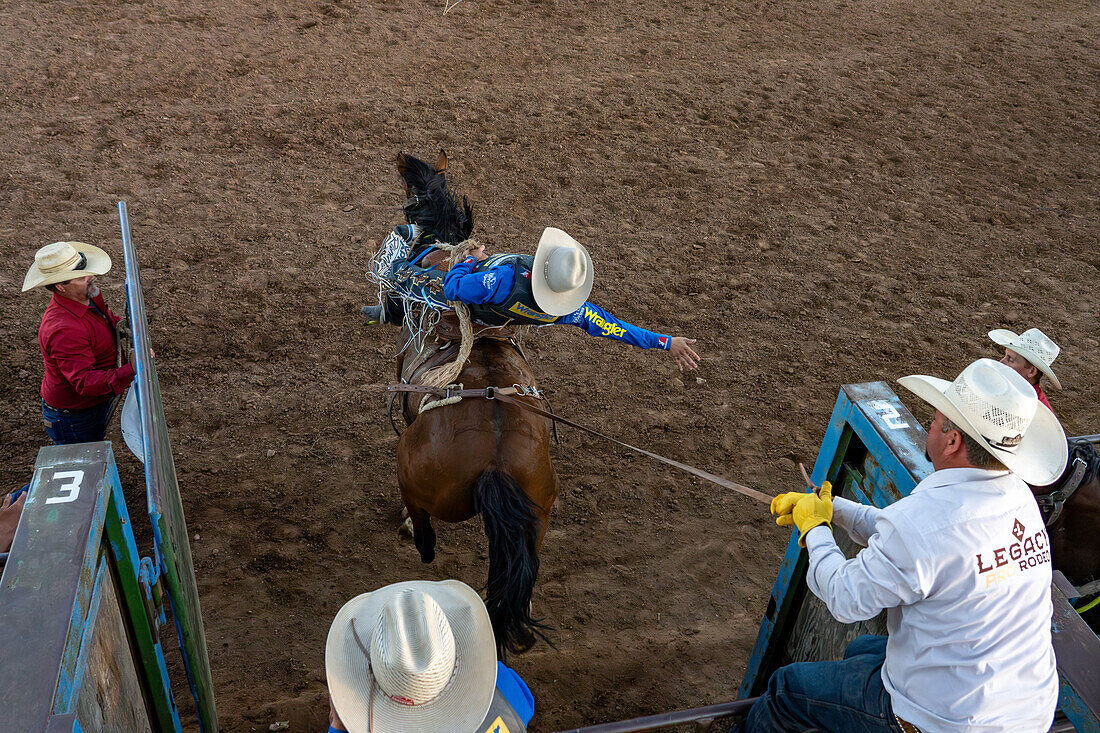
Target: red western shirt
x=78 y=349
x=1042 y=396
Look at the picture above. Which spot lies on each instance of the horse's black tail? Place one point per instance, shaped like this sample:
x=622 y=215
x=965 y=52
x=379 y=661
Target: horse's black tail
x=512 y=528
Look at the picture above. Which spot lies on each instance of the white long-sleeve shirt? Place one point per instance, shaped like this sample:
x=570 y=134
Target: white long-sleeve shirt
x=962 y=568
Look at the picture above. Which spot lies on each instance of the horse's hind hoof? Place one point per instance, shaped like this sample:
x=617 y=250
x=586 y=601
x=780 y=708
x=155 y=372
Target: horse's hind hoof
x=406 y=527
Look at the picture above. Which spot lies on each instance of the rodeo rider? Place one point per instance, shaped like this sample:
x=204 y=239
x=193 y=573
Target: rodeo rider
x=80 y=345
x=420 y=657
x=550 y=288
x=961 y=566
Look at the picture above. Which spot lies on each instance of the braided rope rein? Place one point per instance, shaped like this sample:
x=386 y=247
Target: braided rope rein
x=445 y=374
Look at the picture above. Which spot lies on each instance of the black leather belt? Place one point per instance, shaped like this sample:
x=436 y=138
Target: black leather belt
x=63 y=411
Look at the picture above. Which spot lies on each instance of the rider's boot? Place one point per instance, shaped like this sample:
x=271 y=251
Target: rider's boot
x=374 y=314
x=390 y=310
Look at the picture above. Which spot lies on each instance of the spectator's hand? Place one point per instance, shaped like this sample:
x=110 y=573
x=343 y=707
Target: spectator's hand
x=9 y=519
x=683 y=354
x=333 y=719
x=130 y=355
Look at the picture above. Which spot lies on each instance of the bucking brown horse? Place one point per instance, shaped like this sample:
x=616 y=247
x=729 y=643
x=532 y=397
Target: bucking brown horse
x=476 y=456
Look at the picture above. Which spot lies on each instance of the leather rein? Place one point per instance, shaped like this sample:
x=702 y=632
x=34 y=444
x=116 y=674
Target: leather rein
x=1051 y=504
x=507 y=395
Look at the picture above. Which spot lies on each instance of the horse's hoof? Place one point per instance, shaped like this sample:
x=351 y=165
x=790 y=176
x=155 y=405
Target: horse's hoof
x=406 y=527
x=404 y=512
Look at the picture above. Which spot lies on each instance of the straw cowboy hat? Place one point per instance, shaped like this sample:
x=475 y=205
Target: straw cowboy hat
x=995 y=406
x=63 y=261
x=561 y=278
x=1033 y=345
x=417 y=656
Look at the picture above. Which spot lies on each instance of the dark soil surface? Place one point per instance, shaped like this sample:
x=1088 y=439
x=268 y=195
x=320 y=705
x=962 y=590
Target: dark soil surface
x=819 y=192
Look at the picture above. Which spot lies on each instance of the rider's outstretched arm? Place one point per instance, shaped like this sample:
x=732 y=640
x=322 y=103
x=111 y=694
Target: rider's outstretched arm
x=598 y=322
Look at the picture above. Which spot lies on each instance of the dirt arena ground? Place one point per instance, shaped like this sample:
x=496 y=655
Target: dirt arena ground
x=819 y=192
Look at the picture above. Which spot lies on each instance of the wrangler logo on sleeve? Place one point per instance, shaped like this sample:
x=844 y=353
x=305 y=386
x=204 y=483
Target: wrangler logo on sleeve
x=1027 y=552
x=609 y=329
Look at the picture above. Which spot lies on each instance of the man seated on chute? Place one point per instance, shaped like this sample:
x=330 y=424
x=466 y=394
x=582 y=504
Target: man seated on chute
x=548 y=288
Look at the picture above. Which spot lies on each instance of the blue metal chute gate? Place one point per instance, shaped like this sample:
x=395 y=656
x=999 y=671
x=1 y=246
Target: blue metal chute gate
x=78 y=642
x=165 y=507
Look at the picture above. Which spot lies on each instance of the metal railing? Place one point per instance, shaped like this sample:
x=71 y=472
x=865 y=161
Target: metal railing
x=704 y=719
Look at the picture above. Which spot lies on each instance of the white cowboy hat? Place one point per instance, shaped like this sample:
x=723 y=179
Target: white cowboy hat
x=418 y=656
x=1033 y=345
x=64 y=261
x=995 y=406
x=561 y=277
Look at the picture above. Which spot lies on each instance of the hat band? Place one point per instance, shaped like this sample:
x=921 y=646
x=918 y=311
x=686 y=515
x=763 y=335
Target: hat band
x=68 y=264
x=1008 y=444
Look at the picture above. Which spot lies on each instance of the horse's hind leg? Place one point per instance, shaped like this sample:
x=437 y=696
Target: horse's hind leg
x=423 y=534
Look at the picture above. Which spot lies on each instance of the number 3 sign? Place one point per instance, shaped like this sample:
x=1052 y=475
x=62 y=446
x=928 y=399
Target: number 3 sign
x=70 y=489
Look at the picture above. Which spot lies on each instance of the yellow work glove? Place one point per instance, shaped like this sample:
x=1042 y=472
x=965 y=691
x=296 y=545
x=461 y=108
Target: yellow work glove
x=783 y=504
x=810 y=511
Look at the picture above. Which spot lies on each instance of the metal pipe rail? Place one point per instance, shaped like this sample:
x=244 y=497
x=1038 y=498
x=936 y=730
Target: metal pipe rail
x=702 y=717
x=705 y=717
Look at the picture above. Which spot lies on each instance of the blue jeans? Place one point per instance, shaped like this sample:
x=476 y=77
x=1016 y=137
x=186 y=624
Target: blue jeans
x=82 y=426
x=843 y=696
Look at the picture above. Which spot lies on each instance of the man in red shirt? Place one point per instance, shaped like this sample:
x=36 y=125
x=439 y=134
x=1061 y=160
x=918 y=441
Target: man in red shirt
x=79 y=341
x=1030 y=353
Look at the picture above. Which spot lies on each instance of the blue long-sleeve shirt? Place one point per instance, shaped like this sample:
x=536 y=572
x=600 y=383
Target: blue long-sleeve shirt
x=514 y=689
x=494 y=285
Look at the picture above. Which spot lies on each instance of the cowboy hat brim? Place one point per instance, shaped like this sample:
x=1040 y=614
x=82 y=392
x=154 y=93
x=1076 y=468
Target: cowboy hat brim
x=1041 y=456
x=550 y=301
x=1006 y=338
x=461 y=705
x=99 y=263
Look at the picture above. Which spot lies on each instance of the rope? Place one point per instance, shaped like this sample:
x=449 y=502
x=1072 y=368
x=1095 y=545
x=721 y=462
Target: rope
x=440 y=403
x=1092 y=603
x=444 y=375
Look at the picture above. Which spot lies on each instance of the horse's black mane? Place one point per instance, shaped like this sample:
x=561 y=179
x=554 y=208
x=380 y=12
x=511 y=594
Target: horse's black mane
x=431 y=204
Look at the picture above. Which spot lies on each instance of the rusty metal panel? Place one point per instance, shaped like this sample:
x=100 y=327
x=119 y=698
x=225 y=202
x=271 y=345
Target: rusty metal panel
x=1077 y=649
x=47 y=581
